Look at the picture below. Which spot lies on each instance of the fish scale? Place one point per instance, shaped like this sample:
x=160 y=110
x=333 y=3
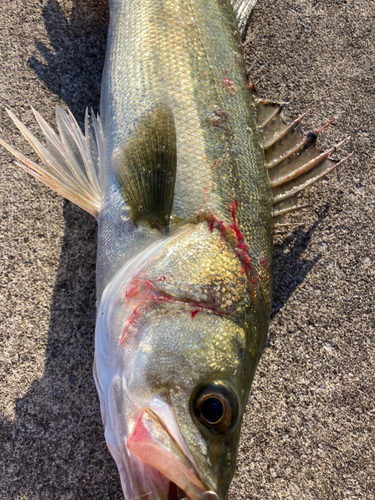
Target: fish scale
x=191 y=82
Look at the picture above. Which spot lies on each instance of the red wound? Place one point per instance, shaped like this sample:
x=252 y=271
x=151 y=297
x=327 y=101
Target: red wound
x=195 y=312
x=242 y=249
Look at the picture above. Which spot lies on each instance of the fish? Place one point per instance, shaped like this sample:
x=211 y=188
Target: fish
x=189 y=174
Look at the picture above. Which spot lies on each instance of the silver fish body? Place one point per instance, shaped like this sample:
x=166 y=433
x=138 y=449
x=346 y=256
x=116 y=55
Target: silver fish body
x=198 y=314
x=187 y=56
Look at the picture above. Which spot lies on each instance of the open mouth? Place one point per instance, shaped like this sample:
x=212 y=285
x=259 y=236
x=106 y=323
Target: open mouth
x=175 y=493
x=153 y=444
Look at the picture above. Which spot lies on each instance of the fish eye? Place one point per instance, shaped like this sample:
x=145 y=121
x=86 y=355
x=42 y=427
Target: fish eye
x=212 y=410
x=215 y=406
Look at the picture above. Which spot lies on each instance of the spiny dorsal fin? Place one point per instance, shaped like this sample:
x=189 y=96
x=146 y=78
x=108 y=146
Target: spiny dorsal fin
x=288 y=206
x=242 y=10
x=146 y=167
x=293 y=160
x=72 y=163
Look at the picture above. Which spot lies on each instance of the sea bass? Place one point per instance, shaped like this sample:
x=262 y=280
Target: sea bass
x=189 y=174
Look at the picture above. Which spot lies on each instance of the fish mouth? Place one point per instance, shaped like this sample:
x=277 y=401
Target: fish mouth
x=176 y=493
x=152 y=443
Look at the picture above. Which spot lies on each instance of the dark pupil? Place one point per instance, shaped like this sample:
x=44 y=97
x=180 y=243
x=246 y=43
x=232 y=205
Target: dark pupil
x=212 y=410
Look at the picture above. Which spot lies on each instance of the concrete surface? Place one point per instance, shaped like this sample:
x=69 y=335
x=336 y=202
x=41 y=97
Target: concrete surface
x=309 y=428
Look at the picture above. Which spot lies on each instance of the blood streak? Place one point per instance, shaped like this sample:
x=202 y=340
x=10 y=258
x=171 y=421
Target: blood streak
x=230 y=86
x=264 y=262
x=241 y=249
x=215 y=223
x=216 y=163
x=141 y=292
x=138 y=293
x=195 y=312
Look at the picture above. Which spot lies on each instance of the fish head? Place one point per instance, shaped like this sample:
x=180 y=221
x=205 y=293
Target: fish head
x=182 y=357
x=191 y=397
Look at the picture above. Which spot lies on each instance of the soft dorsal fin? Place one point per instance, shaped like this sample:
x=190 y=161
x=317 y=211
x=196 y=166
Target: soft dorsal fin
x=242 y=10
x=146 y=167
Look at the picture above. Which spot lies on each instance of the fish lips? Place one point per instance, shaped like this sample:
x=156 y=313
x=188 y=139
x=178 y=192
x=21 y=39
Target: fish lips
x=154 y=444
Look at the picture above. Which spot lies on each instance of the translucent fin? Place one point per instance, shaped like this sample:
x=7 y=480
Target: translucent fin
x=288 y=224
x=242 y=10
x=288 y=206
x=146 y=168
x=293 y=160
x=71 y=162
x=305 y=180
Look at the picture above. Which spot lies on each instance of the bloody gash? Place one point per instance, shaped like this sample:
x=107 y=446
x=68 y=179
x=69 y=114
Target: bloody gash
x=189 y=174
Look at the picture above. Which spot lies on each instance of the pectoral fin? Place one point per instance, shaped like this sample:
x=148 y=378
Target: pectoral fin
x=146 y=168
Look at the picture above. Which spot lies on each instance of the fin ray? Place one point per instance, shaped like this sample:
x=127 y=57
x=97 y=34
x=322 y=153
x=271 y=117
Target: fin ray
x=293 y=160
x=72 y=163
x=305 y=180
x=288 y=206
x=146 y=167
x=243 y=10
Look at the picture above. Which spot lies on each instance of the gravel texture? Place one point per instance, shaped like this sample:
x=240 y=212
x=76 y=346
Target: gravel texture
x=308 y=432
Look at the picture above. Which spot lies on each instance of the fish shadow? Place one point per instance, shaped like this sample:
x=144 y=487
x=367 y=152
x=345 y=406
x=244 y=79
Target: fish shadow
x=75 y=58
x=289 y=268
x=55 y=447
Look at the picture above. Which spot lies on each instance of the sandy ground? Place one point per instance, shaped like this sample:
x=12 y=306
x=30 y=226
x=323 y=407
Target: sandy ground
x=308 y=431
